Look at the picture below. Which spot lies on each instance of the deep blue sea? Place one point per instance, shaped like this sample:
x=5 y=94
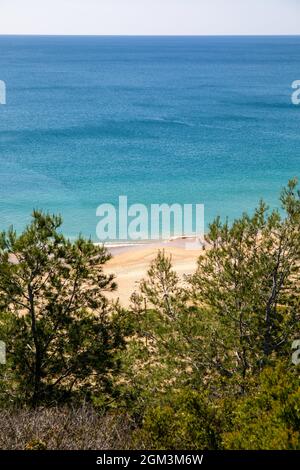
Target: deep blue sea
x=159 y=119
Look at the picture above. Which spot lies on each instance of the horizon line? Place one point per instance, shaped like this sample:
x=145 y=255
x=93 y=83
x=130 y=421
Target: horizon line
x=147 y=35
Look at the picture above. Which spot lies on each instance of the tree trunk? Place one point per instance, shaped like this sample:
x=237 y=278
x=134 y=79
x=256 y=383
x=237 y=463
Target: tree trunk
x=37 y=375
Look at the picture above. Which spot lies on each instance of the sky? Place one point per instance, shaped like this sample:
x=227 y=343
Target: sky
x=150 y=17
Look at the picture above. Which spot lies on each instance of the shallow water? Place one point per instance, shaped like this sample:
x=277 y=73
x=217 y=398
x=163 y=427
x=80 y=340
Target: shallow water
x=189 y=120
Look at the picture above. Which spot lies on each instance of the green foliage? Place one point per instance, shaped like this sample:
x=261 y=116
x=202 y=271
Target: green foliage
x=62 y=334
x=237 y=315
x=270 y=417
x=200 y=362
x=249 y=283
x=162 y=288
x=183 y=420
x=165 y=333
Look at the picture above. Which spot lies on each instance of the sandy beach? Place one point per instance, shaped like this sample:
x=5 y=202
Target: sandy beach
x=130 y=263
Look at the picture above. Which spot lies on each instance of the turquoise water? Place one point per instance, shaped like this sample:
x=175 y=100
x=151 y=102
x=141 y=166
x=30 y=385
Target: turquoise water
x=188 y=120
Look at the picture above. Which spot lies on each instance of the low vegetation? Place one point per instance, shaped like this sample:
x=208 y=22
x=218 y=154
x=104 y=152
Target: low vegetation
x=200 y=364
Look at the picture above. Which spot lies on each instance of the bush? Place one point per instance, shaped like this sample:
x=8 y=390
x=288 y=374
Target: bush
x=270 y=418
x=185 y=420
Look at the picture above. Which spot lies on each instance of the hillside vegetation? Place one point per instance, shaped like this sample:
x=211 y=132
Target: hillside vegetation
x=204 y=364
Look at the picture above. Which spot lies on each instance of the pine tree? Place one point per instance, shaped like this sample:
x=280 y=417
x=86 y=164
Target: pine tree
x=249 y=283
x=62 y=334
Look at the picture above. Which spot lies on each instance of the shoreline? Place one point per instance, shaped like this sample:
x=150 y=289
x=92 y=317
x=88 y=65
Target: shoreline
x=188 y=243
